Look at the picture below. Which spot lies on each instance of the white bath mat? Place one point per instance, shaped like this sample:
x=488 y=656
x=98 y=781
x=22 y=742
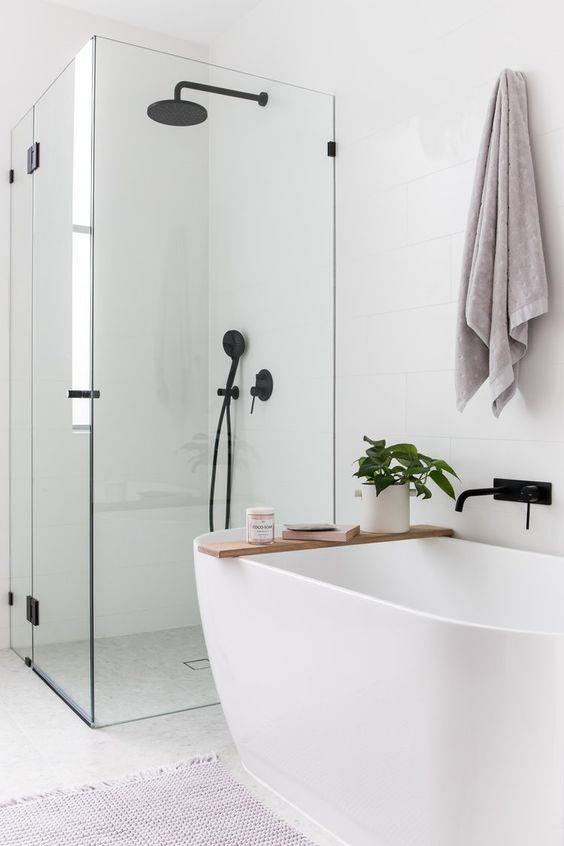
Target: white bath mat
x=194 y=803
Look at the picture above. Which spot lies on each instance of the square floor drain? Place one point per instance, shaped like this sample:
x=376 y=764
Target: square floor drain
x=198 y=664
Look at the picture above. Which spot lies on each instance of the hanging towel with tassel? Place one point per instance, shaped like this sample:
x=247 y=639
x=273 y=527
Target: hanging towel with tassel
x=503 y=283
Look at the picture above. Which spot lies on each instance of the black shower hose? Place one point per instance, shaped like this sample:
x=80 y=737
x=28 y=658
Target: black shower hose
x=224 y=413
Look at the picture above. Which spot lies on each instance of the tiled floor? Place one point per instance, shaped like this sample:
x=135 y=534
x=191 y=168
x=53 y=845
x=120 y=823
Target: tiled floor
x=43 y=745
x=139 y=675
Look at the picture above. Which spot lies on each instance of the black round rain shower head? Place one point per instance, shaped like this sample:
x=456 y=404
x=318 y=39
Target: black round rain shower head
x=233 y=343
x=177 y=112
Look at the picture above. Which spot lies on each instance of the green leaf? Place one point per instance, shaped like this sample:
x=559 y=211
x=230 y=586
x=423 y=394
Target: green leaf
x=376 y=454
x=442 y=482
x=442 y=465
x=379 y=451
x=383 y=482
x=366 y=468
x=425 y=458
x=422 y=490
x=416 y=469
x=404 y=449
x=368 y=440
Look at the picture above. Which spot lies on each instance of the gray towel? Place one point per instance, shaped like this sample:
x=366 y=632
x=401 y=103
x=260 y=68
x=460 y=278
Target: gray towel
x=503 y=272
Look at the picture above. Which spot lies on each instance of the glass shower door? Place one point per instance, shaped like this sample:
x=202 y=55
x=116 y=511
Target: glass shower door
x=61 y=369
x=150 y=363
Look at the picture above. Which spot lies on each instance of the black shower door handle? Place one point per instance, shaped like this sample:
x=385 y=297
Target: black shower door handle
x=74 y=394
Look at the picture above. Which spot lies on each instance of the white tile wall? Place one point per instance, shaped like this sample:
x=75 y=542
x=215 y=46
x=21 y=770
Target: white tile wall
x=412 y=83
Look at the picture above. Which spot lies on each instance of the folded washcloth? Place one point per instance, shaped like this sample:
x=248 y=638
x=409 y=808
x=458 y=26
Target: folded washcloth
x=503 y=272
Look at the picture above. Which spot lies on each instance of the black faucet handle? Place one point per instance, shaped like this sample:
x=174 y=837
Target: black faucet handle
x=262 y=388
x=530 y=493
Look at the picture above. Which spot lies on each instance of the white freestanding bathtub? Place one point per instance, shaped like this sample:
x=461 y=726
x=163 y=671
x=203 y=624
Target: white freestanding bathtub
x=400 y=694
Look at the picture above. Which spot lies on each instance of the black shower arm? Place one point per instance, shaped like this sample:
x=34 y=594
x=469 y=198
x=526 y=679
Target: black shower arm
x=261 y=99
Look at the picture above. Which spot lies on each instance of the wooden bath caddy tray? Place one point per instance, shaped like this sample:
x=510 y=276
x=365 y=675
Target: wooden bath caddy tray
x=234 y=549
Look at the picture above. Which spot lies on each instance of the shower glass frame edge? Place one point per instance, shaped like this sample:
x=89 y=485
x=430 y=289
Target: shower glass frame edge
x=92 y=383
x=88 y=718
x=12 y=647
x=334 y=363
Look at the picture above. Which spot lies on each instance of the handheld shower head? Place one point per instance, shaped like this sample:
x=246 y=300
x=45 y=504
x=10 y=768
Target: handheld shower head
x=234 y=346
x=234 y=343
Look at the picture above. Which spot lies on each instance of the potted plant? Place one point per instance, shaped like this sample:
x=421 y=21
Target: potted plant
x=388 y=472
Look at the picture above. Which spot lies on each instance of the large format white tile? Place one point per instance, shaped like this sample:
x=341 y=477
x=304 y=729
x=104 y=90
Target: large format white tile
x=370 y=405
x=350 y=343
x=414 y=276
x=499 y=47
x=438 y=204
x=456 y=258
x=478 y=460
x=540 y=64
x=435 y=136
x=536 y=413
x=419 y=339
x=548 y=164
x=373 y=222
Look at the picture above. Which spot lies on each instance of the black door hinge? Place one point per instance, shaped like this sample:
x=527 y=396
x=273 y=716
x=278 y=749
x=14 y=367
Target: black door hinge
x=10 y=597
x=27 y=661
x=11 y=175
x=32 y=610
x=331 y=149
x=33 y=157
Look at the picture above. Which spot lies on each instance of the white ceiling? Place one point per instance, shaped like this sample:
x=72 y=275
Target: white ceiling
x=193 y=20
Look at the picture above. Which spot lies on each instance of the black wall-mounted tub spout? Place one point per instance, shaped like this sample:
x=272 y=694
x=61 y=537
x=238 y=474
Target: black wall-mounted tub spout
x=512 y=490
x=475 y=492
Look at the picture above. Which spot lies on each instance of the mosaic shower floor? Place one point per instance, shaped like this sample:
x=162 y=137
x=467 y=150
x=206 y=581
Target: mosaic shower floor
x=136 y=676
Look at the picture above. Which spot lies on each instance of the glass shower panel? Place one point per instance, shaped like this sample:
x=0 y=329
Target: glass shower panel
x=199 y=229
x=151 y=366
x=61 y=355
x=20 y=387
x=271 y=276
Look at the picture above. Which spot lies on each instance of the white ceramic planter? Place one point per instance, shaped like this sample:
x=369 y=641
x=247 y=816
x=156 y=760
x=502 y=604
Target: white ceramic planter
x=388 y=512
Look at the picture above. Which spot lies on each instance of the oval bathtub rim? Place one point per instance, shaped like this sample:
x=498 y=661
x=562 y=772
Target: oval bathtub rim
x=256 y=562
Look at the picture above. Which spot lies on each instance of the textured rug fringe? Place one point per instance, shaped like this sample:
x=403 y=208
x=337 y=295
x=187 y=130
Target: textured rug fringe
x=142 y=775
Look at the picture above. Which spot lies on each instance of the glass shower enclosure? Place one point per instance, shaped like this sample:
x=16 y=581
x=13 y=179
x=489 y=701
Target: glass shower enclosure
x=136 y=245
